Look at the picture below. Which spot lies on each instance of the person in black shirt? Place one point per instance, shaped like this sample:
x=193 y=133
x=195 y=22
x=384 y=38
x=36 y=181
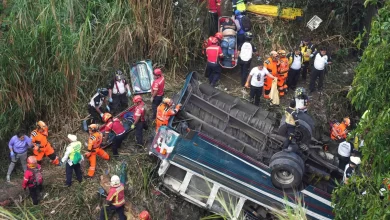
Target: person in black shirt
x=95 y=105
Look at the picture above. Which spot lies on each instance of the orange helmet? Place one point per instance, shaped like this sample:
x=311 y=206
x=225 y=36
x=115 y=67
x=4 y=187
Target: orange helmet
x=213 y=40
x=282 y=52
x=31 y=162
x=106 y=116
x=167 y=101
x=218 y=35
x=41 y=125
x=157 y=72
x=347 y=121
x=93 y=127
x=144 y=215
x=137 y=98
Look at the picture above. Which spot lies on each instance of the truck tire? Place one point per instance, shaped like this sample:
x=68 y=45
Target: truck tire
x=304 y=131
x=306 y=118
x=286 y=172
x=290 y=155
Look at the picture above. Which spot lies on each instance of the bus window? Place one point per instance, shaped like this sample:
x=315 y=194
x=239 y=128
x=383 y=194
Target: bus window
x=174 y=177
x=199 y=189
x=225 y=202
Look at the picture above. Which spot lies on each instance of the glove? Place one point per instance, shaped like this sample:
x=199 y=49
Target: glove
x=108 y=108
x=101 y=115
x=12 y=154
x=110 y=99
x=128 y=93
x=132 y=126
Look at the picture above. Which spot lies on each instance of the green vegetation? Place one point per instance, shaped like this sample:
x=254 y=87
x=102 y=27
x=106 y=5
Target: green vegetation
x=370 y=91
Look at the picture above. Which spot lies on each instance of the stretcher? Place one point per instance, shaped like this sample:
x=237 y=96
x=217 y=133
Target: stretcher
x=276 y=11
x=141 y=75
x=228 y=45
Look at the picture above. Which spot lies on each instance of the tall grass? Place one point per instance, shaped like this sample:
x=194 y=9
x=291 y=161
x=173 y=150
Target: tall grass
x=55 y=53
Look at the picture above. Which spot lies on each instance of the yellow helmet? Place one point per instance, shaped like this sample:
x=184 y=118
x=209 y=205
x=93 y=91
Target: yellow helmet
x=93 y=127
x=168 y=101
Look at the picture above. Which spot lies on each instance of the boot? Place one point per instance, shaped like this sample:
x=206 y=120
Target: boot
x=8 y=178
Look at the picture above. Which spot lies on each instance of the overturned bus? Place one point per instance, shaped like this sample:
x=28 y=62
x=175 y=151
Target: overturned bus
x=223 y=153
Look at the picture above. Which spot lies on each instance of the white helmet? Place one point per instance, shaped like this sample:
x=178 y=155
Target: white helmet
x=355 y=160
x=115 y=181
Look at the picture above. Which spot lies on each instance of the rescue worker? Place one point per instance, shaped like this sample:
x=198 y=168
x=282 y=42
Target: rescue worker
x=94 y=141
x=272 y=65
x=144 y=215
x=42 y=147
x=33 y=179
x=95 y=105
x=164 y=112
x=344 y=152
x=139 y=119
x=245 y=56
x=339 y=130
x=239 y=5
x=295 y=60
x=318 y=71
x=213 y=69
x=350 y=168
x=301 y=99
x=283 y=69
x=292 y=123
x=219 y=36
x=18 y=146
x=72 y=158
x=115 y=199
x=115 y=125
x=214 y=7
x=240 y=30
x=118 y=91
x=256 y=79
x=306 y=48
x=158 y=86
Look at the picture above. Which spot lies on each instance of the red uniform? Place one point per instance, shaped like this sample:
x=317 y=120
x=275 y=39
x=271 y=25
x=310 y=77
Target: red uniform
x=116 y=196
x=139 y=112
x=214 y=6
x=28 y=180
x=213 y=53
x=158 y=85
x=116 y=126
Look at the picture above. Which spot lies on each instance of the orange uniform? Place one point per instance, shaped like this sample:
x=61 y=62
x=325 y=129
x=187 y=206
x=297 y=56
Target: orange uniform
x=164 y=111
x=272 y=67
x=94 y=149
x=339 y=131
x=282 y=75
x=42 y=147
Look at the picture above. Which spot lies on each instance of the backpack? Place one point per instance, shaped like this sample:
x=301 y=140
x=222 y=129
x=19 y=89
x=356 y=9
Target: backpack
x=246 y=24
x=37 y=177
x=77 y=157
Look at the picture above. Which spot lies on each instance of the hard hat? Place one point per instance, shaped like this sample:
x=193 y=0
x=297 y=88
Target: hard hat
x=157 y=72
x=144 y=215
x=300 y=91
x=237 y=12
x=137 y=98
x=31 y=162
x=355 y=160
x=118 y=72
x=282 y=52
x=167 y=101
x=41 y=124
x=93 y=127
x=106 y=116
x=273 y=53
x=115 y=181
x=248 y=35
x=218 y=35
x=72 y=137
x=103 y=91
x=347 y=121
x=213 y=40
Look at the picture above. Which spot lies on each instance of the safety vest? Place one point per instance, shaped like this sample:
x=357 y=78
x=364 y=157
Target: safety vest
x=76 y=147
x=118 y=198
x=306 y=51
x=246 y=51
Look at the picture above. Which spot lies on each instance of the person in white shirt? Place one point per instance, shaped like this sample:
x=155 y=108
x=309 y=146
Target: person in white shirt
x=245 y=52
x=295 y=60
x=321 y=59
x=119 y=90
x=255 y=82
x=301 y=99
x=344 y=152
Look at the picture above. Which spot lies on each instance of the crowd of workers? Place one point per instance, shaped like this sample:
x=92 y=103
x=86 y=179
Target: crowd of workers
x=102 y=106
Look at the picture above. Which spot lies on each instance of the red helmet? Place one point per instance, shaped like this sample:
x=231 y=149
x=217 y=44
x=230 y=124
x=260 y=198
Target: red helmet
x=213 y=40
x=144 y=215
x=218 y=35
x=157 y=72
x=106 y=116
x=137 y=98
x=31 y=162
